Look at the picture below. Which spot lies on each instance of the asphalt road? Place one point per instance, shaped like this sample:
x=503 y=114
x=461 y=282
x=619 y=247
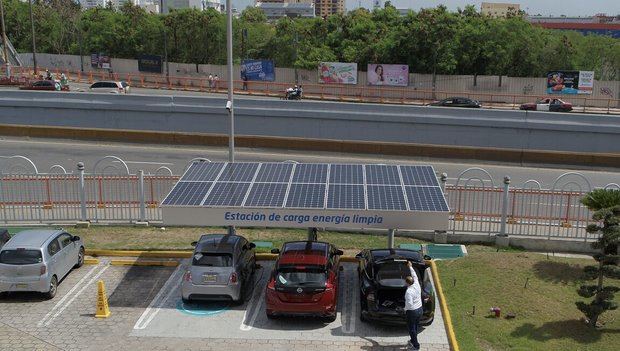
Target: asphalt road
x=48 y=152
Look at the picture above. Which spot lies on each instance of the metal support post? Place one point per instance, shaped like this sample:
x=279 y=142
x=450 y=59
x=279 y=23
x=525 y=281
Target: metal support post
x=141 y=193
x=34 y=41
x=5 y=42
x=502 y=230
x=83 y=217
x=443 y=178
x=232 y=230
x=313 y=234
x=391 y=238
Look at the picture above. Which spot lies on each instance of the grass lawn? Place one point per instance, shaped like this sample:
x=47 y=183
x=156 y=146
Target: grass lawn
x=546 y=315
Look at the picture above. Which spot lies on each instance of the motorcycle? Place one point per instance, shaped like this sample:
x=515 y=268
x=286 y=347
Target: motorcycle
x=293 y=94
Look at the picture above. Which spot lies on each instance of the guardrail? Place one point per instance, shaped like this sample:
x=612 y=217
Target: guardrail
x=392 y=95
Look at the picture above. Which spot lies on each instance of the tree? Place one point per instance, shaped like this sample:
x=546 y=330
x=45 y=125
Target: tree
x=606 y=207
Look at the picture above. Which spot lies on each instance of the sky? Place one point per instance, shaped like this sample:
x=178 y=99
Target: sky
x=534 y=7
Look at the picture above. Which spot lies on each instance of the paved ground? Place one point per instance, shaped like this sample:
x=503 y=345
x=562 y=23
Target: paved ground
x=147 y=314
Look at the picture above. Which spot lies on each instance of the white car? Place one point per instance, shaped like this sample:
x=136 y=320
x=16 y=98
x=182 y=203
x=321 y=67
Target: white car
x=110 y=87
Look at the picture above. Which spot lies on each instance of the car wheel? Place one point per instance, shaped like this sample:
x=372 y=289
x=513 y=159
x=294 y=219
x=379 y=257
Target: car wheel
x=363 y=317
x=80 y=261
x=331 y=318
x=53 y=288
x=271 y=315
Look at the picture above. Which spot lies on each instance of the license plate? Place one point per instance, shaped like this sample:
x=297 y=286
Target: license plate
x=209 y=278
x=21 y=286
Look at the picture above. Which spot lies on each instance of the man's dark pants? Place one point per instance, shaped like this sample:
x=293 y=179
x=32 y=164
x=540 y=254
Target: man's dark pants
x=413 y=320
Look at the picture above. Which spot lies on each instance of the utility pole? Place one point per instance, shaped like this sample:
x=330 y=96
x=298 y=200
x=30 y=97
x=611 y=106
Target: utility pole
x=161 y=12
x=229 y=59
x=34 y=41
x=5 y=42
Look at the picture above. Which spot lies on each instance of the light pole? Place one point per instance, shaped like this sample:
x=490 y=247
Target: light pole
x=34 y=42
x=5 y=42
x=229 y=59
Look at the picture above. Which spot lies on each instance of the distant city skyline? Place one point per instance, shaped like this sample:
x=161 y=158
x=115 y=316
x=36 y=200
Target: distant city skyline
x=533 y=7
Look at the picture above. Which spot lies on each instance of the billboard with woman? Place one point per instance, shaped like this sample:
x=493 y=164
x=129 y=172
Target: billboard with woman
x=393 y=75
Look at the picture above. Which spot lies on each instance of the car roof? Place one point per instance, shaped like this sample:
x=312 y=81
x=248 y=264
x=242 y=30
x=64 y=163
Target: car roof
x=379 y=254
x=304 y=252
x=222 y=243
x=34 y=238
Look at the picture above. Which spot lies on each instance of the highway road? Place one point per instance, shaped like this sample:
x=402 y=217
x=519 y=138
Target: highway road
x=48 y=152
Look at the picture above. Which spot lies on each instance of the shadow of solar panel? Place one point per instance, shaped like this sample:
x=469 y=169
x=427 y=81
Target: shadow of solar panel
x=386 y=197
x=346 y=197
x=310 y=173
x=425 y=198
x=227 y=194
x=346 y=174
x=238 y=172
x=382 y=175
x=418 y=175
x=306 y=196
x=187 y=194
x=203 y=171
x=266 y=195
x=274 y=173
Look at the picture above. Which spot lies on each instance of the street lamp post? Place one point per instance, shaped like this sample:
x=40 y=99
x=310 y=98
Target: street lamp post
x=229 y=59
x=34 y=42
x=5 y=42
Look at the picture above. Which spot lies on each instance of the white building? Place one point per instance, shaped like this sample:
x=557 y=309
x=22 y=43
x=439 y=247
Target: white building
x=196 y=4
x=275 y=10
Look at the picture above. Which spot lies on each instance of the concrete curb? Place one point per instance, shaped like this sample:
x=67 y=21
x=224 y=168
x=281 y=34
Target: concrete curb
x=139 y=253
x=342 y=146
x=447 y=319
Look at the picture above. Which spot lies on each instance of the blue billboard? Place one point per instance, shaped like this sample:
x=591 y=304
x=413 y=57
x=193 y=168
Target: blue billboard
x=262 y=70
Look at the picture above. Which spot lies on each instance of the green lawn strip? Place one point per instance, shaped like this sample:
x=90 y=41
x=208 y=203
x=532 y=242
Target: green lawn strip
x=546 y=316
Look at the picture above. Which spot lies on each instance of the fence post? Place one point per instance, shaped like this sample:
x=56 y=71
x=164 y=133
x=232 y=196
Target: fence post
x=141 y=193
x=443 y=178
x=80 y=167
x=502 y=230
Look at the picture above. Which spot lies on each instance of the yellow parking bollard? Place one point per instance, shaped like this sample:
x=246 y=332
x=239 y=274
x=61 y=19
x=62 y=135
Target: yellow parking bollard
x=103 y=310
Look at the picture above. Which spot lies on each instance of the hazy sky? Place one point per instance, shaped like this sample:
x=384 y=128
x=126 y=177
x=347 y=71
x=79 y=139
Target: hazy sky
x=544 y=7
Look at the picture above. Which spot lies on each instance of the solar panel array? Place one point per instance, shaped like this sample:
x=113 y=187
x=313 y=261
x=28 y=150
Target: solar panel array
x=309 y=186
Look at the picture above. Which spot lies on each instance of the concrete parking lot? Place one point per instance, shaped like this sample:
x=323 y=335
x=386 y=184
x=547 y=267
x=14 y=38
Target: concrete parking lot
x=148 y=314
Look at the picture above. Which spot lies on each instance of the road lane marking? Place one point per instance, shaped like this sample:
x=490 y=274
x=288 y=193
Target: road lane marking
x=143 y=321
x=68 y=294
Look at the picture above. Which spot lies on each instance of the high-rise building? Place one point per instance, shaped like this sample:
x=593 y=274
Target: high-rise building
x=499 y=9
x=275 y=10
x=324 y=8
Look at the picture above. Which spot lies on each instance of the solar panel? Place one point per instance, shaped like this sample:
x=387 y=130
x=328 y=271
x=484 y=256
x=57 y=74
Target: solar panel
x=238 y=172
x=274 y=173
x=382 y=175
x=424 y=198
x=310 y=173
x=346 y=197
x=306 y=196
x=266 y=195
x=386 y=197
x=346 y=174
x=418 y=175
x=227 y=194
x=187 y=194
x=203 y=171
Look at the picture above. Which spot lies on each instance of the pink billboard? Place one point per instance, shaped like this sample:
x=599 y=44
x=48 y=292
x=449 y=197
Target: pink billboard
x=393 y=75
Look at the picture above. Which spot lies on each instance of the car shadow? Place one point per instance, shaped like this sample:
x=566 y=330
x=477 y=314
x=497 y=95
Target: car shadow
x=558 y=272
x=573 y=329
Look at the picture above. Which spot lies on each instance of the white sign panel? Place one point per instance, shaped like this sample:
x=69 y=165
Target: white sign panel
x=586 y=82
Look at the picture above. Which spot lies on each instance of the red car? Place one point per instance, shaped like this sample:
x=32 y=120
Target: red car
x=304 y=280
x=547 y=104
x=48 y=85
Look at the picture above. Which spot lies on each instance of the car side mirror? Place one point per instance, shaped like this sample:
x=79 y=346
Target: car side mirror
x=194 y=243
x=358 y=256
x=251 y=246
x=275 y=251
x=75 y=238
x=339 y=252
x=427 y=257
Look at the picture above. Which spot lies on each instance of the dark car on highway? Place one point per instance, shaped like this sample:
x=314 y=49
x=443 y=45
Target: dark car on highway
x=46 y=85
x=457 y=102
x=304 y=281
x=548 y=104
x=382 y=274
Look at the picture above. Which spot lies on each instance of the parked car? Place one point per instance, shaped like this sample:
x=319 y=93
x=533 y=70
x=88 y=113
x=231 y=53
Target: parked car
x=382 y=274
x=457 y=102
x=110 y=87
x=222 y=268
x=304 y=280
x=47 y=85
x=548 y=104
x=37 y=260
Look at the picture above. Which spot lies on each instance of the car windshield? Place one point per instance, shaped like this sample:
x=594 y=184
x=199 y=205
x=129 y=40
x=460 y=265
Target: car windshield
x=210 y=259
x=293 y=277
x=20 y=257
x=392 y=273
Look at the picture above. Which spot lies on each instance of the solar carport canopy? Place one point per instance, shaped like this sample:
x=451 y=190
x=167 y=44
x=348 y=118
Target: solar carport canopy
x=307 y=195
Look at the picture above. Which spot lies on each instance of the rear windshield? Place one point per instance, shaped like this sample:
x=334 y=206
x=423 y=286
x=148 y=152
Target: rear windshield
x=18 y=257
x=290 y=277
x=212 y=259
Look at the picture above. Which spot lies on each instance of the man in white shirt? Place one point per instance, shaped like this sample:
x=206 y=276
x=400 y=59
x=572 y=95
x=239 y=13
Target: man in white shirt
x=413 y=307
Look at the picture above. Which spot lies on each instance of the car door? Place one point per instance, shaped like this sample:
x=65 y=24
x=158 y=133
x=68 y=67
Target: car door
x=56 y=265
x=542 y=105
x=68 y=251
x=555 y=105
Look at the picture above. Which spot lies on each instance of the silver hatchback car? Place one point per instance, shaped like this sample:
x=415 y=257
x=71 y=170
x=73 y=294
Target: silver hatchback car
x=222 y=268
x=36 y=260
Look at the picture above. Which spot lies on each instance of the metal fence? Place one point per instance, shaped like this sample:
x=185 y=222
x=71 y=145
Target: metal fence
x=110 y=193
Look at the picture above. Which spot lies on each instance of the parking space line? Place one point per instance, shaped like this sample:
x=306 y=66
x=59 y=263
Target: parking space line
x=95 y=277
x=150 y=311
x=61 y=302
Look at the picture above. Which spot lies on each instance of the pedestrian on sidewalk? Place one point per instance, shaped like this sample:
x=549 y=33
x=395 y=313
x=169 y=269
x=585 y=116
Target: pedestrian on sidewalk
x=413 y=307
x=210 y=79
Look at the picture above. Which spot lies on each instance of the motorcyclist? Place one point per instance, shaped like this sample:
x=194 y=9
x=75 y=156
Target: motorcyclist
x=299 y=91
x=290 y=92
x=63 y=80
x=48 y=75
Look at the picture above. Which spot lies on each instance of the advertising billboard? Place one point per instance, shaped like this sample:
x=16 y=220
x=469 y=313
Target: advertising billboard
x=393 y=75
x=150 y=63
x=570 y=82
x=337 y=73
x=262 y=70
x=100 y=60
